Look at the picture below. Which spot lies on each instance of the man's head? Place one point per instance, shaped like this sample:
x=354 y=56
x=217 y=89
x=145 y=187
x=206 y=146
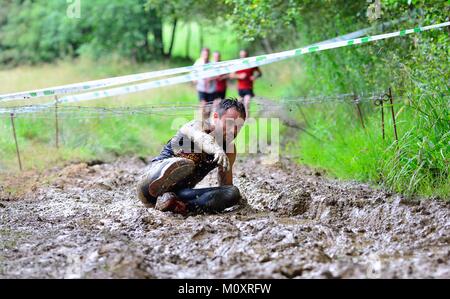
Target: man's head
x=204 y=54
x=229 y=117
x=216 y=56
x=243 y=53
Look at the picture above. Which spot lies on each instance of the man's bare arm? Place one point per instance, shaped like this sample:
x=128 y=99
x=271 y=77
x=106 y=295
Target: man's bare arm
x=194 y=130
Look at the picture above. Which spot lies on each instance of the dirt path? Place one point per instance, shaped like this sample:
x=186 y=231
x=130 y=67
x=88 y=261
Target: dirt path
x=87 y=223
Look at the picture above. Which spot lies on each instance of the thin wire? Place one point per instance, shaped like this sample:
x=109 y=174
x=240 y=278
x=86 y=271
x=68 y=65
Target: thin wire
x=177 y=110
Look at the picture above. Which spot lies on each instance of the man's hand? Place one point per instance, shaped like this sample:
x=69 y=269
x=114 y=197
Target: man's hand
x=222 y=160
x=194 y=131
x=225 y=177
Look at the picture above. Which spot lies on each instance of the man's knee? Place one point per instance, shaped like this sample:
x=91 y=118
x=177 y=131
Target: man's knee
x=224 y=197
x=232 y=194
x=161 y=175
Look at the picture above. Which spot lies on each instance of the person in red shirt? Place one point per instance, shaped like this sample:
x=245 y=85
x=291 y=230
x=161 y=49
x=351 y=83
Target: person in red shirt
x=245 y=81
x=221 y=81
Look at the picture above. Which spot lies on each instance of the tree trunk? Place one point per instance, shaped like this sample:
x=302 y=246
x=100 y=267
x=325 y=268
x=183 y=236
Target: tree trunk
x=201 y=36
x=172 y=40
x=157 y=28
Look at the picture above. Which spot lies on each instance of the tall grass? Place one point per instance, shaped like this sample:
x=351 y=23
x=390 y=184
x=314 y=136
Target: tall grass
x=417 y=70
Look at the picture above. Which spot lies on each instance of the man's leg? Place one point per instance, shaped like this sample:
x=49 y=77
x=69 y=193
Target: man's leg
x=215 y=199
x=161 y=177
x=247 y=99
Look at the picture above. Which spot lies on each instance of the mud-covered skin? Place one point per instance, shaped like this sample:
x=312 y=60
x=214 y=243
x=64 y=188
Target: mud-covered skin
x=88 y=223
x=199 y=133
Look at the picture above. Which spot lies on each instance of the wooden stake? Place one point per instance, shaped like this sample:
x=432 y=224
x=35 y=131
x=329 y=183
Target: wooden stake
x=359 y=111
x=391 y=99
x=15 y=140
x=56 y=123
x=382 y=117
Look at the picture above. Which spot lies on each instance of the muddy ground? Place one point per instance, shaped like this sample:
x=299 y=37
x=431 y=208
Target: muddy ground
x=85 y=222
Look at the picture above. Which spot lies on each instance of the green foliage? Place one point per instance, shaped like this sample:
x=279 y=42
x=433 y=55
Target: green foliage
x=122 y=27
x=417 y=69
x=40 y=31
x=281 y=20
x=31 y=32
x=187 y=10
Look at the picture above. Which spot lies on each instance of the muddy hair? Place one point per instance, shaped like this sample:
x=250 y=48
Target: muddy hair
x=230 y=103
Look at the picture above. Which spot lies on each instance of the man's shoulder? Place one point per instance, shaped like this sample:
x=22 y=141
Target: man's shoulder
x=196 y=124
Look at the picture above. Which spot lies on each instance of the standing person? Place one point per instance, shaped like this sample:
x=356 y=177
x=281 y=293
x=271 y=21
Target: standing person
x=221 y=81
x=205 y=87
x=245 y=82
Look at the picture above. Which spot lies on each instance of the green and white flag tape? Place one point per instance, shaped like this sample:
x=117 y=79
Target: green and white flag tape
x=236 y=65
x=102 y=83
x=242 y=64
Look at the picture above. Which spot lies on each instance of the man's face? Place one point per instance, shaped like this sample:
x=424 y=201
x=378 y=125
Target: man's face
x=243 y=54
x=229 y=124
x=216 y=57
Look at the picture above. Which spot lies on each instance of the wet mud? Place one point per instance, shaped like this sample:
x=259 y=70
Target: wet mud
x=86 y=222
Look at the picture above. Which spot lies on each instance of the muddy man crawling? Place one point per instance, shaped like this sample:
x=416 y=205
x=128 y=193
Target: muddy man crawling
x=196 y=149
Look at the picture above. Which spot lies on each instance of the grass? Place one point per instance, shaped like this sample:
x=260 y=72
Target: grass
x=417 y=164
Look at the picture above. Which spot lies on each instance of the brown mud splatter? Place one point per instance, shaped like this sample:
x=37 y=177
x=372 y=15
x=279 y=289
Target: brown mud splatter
x=86 y=222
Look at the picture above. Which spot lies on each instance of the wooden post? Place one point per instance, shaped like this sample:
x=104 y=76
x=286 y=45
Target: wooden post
x=382 y=117
x=15 y=140
x=391 y=99
x=359 y=111
x=56 y=123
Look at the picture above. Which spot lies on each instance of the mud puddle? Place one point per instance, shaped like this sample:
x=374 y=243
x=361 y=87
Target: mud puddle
x=293 y=223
